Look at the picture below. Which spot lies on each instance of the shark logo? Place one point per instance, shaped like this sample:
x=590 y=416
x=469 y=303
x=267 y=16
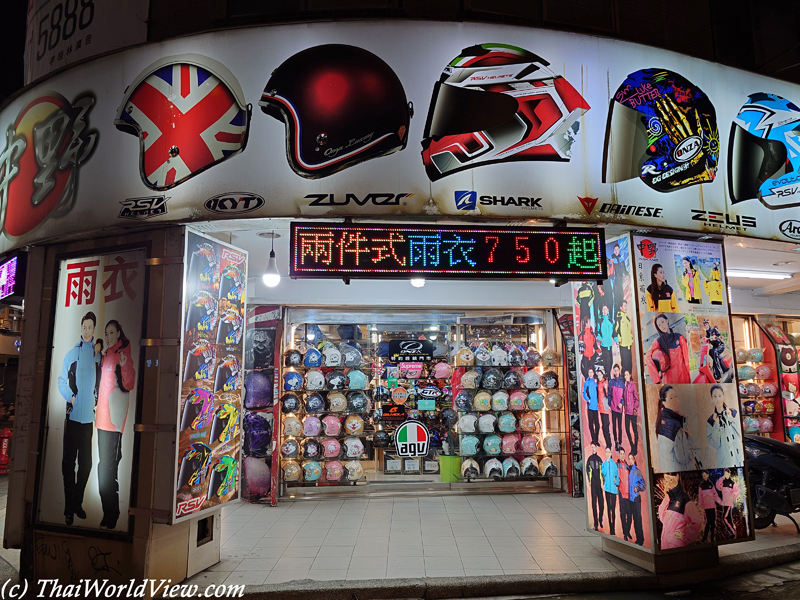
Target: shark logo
x=466 y=200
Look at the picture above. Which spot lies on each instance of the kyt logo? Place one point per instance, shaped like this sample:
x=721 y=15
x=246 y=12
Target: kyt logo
x=588 y=204
x=235 y=202
x=647 y=248
x=466 y=200
x=375 y=199
x=143 y=208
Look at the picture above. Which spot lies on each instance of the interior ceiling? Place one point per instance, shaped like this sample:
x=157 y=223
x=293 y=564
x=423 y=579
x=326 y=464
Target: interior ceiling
x=741 y=253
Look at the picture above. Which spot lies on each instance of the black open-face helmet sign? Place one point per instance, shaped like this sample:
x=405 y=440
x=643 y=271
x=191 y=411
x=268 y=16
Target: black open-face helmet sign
x=341 y=104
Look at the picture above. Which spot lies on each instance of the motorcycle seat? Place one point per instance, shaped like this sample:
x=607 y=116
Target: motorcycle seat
x=791 y=449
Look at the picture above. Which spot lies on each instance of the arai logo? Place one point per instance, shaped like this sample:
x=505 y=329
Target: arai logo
x=687 y=149
x=791 y=229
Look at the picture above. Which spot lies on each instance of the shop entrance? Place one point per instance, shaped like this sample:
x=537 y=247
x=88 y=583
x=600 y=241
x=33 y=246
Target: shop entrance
x=486 y=389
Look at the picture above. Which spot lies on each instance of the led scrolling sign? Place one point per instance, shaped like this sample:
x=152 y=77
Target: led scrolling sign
x=378 y=251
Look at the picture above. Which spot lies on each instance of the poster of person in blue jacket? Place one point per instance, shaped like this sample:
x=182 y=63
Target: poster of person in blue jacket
x=608 y=382
x=94 y=369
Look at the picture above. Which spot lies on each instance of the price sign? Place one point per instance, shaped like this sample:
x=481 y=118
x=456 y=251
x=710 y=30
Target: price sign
x=378 y=251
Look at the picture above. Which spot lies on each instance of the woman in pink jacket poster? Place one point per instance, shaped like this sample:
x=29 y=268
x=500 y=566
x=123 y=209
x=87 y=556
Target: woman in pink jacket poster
x=729 y=490
x=679 y=515
x=708 y=497
x=117 y=379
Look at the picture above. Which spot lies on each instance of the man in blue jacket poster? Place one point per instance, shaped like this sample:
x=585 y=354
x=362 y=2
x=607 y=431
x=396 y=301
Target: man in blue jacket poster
x=78 y=382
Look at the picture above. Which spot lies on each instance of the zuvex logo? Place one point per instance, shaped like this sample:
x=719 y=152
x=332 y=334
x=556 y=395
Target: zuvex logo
x=791 y=229
x=235 y=202
x=375 y=199
x=688 y=148
x=466 y=200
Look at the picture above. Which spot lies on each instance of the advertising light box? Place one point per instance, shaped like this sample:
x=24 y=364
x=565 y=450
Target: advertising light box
x=376 y=251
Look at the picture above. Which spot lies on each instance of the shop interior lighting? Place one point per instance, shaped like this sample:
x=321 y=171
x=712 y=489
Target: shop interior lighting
x=757 y=274
x=730 y=296
x=418 y=282
x=783 y=263
x=272 y=276
x=552 y=281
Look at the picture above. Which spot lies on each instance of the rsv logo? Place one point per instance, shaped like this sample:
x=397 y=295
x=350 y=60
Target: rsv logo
x=466 y=200
x=790 y=229
x=235 y=202
x=375 y=199
x=143 y=208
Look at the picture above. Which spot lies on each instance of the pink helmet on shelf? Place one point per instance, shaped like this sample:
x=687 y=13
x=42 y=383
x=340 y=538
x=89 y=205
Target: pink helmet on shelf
x=769 y=390
x=530 y=444
x=763 y=372
x=331 y=448
x=333 y=470
x=442 y=370
x=509 y=443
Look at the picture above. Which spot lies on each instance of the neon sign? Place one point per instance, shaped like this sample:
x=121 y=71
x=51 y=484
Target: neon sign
x=8 y=278
x=378 y=251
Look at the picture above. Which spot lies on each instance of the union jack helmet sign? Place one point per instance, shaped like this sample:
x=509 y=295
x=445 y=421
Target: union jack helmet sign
x=189 y=114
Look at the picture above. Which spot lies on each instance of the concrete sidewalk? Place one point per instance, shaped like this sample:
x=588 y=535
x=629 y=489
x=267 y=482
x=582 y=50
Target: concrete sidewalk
x=472 y=546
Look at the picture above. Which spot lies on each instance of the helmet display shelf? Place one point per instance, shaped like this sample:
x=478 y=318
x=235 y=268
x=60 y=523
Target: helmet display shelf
x=759 y=387
x=509 y=398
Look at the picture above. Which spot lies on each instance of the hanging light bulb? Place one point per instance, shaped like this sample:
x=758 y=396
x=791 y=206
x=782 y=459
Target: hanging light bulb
x=272 y=276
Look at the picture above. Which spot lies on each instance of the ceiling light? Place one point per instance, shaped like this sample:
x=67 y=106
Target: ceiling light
x=783 y=263
x=418 y=282
x=757 y=274
x=552 y=281
x=272 y=276
x=433 y=328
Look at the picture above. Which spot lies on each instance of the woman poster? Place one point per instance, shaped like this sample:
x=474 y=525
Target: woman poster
x=708 y=497
x=729 y=490
x=660 y=295
x=667 y=360
x=722 y=431
x=630 y=401
x=690 y=278
x=673 y=438
x=117 y=379
x=679 y=515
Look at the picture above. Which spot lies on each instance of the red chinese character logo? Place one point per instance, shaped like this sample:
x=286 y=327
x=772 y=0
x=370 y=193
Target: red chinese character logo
x=81 y=282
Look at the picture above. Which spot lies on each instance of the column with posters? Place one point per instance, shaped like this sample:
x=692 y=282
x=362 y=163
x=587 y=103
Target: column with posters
x=210 y=404
x=614 y=455
x=92 y=392
x=694 y=424
x=567 y=326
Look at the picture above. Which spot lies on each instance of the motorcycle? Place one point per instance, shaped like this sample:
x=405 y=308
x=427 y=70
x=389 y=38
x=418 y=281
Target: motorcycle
x=774 y=472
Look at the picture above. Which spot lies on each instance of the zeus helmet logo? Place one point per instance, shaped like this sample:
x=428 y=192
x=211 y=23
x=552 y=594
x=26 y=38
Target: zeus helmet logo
x=723 y=220
x=375 y=199
x=687 y=149
x=466 y=200
x=143 y=208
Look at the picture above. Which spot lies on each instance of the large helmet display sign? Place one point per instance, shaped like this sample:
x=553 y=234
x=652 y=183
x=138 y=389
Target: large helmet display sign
x=497 y=103
x=189 y=114
x=763 y=159
x=342 y=105
x=663 y=129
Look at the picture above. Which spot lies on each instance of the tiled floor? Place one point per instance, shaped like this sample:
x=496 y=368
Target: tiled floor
x=374 y=539
x=420 y=537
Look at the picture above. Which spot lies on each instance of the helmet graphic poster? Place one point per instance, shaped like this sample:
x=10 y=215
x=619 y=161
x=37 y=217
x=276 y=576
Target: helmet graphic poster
x=763 y=163
x=663 y=129
x=499 y=103
x=189 y=114
x=257 y=435
x=341 y=105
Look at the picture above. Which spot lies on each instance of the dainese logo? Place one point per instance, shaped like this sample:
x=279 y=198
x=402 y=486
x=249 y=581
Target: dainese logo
x=45 y=147
x=647 y=248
